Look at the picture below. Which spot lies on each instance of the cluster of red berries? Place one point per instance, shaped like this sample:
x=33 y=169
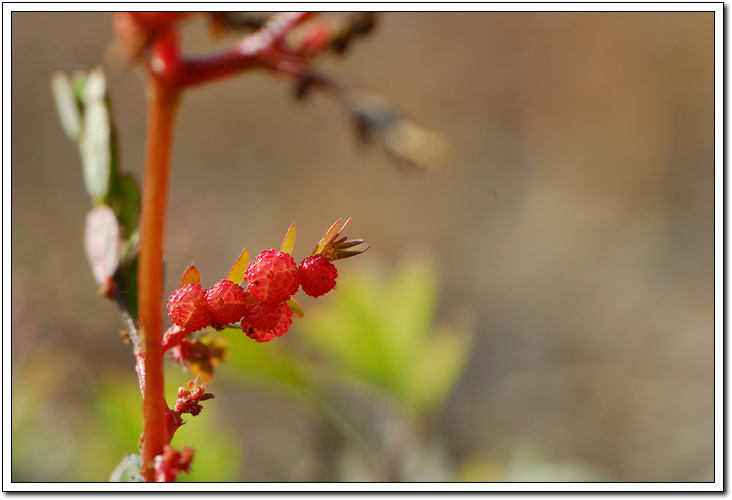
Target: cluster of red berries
x=271 y=279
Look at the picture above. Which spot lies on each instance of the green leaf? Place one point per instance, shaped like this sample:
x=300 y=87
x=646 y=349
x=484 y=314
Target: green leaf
x=239 y=268
x=102 y=243
x=95 y=145
x=411 y=300
x=127 y=283
x=289 y=241
x=126 y=202
x=435 y=369
x=270 y=363
x=356 y=331
x=66 y=104
x=378 y=330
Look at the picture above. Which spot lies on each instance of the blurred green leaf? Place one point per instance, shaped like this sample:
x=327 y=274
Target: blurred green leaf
x=78 y=82
x=39 y=430
x=118 y=408
x=126 y=202
x=118 y=425
x=127 y=283
x=85 y=111
x=270 y=363
x=436 y=368
x=95 y=145
x=354 y=333
x=110 y=245
x=378 y=330
x=67 y=106
x=217 y=456
x=412 y=296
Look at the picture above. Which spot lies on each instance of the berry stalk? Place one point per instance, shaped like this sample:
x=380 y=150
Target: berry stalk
x=163 y=102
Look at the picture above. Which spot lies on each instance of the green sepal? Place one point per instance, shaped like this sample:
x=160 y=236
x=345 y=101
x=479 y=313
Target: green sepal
x=297 y=310
x=236 y=274
x=289 y=242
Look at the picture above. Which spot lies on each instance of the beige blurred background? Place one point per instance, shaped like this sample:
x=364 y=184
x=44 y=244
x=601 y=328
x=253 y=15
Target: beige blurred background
x=572 y=228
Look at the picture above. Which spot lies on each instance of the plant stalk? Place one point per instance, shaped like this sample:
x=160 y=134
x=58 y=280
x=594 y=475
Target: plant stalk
x=163 y=104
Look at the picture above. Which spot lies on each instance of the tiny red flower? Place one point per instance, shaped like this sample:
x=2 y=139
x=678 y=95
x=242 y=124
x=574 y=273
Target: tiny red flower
x=259 y=336
x=187 y=308
x=317 y=275
x=190 y=397
x=265 y=321
x=226 y=301
x=181 y=352
x=272 y=276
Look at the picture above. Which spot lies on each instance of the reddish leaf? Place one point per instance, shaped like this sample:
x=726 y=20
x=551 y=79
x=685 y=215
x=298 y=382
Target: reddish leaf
x=333 y=246
x=191 y=276
x=327 y=237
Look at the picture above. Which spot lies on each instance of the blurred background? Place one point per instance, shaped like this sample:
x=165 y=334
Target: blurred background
x=567 y=246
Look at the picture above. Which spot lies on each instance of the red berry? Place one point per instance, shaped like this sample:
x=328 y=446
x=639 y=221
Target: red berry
x=272 y=276
x=317 y=275
x=259 y=336
x=226 y=301
x=263 y=321
x=187 y=308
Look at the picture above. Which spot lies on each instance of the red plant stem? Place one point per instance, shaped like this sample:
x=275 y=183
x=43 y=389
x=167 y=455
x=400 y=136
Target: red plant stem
x=260 y=49
x=168 y=74
x=163 y=102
